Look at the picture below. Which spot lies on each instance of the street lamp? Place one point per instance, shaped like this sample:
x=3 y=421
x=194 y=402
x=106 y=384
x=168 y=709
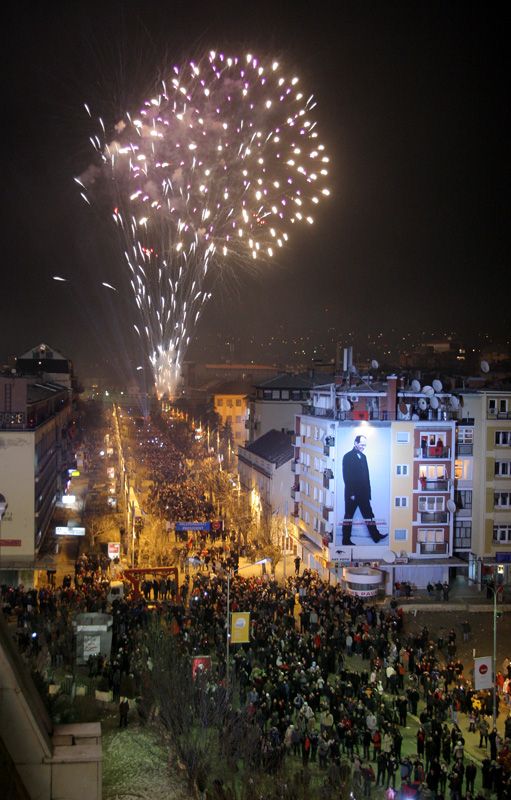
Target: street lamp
x=228 y=626
x=493 y=589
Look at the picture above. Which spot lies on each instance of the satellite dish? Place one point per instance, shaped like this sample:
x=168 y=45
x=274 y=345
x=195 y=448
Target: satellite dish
x=388 y=556
x=451 y=506
x=485 y=367
x=345 y=404
x=415 y=417
x=455 y=403
x=423 y=404
x=434 y=402
x=374 y=364
x=428 y=391
x=354 y=398
x=437 y=385
x=415 y=386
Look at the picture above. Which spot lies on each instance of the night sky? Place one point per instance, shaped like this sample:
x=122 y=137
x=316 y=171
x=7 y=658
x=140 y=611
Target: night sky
x=411 y=99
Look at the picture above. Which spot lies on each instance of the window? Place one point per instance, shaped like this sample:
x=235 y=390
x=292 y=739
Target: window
x=433 y=536
x=284 y=394
x=502 y=534
x=463 y=499
x=502 y=499
x=402 y=469
x=266 y=394
x=433 y=472
x=502 y=469
x=238 y=402
x=400 y=534
x=497 y=405
x=402 y=437
x=465 y=435
x=238 y=418
x=229 y=402
x=220 y=402
x=463 y=469
x=431 y=503
x=503 y=438
x=401 y=502
x=463 y=535
x=275 y=395
x=432 y=444
x=295 y=394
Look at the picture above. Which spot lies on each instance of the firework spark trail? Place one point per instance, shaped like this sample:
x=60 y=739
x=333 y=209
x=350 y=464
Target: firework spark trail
x=211 y=172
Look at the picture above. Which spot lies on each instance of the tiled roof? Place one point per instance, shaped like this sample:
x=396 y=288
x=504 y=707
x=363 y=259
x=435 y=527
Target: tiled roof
x=274 y=446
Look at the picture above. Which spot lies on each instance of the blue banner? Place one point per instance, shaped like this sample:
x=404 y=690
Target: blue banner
x=193 y=526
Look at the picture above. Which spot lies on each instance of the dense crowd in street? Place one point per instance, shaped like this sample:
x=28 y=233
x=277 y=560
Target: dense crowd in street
x=327 y=680
x=295 y=680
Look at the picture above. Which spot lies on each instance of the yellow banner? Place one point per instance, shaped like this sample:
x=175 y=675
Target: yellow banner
x=240 y=627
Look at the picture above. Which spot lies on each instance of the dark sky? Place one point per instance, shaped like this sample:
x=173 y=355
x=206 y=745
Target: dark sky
x=411 y=99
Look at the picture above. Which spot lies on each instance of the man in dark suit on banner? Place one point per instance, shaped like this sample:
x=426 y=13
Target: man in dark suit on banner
x=357 y=492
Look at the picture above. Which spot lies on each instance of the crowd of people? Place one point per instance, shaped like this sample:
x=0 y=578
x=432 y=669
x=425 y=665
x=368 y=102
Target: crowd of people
x=296 y=679
x=326 y=679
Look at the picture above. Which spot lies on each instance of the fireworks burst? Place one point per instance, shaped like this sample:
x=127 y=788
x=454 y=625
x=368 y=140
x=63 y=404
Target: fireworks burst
x=212 y=171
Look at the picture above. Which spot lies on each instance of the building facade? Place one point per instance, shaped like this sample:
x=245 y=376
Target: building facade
x=36 y=449
x=375 y=477
x=230 y=402
x=483 y=469
x=275 y=402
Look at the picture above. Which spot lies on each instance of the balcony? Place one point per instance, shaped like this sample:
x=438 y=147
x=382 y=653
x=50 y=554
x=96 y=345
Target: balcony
x=438 y=517
x=434 y=486
x=465 y=449
x=328 y=514
x=328 y=480
x=429 y=453
x=296 y=439
x=296 y=467
x=295 y=493
x=494 y=414
x=329 y=445
x=432 y=548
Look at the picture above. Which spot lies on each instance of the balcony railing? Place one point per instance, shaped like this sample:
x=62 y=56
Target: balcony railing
x=328 y=513
x=428 y=453
x=464 y=449
x=328 y=483
x=296 y=439
x=328 y=445
x=433 y=548
x=295 y=493
x=441 y=517
x=296 y=467
x=434 y=486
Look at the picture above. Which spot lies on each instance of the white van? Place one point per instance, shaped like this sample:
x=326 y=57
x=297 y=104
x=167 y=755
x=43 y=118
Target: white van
x=116 y=591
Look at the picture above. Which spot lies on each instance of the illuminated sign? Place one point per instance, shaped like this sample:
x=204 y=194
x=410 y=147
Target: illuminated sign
x=75 y=473
x=68 y=499
x=193 y=526
x=65 y=531
x=114 y=549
